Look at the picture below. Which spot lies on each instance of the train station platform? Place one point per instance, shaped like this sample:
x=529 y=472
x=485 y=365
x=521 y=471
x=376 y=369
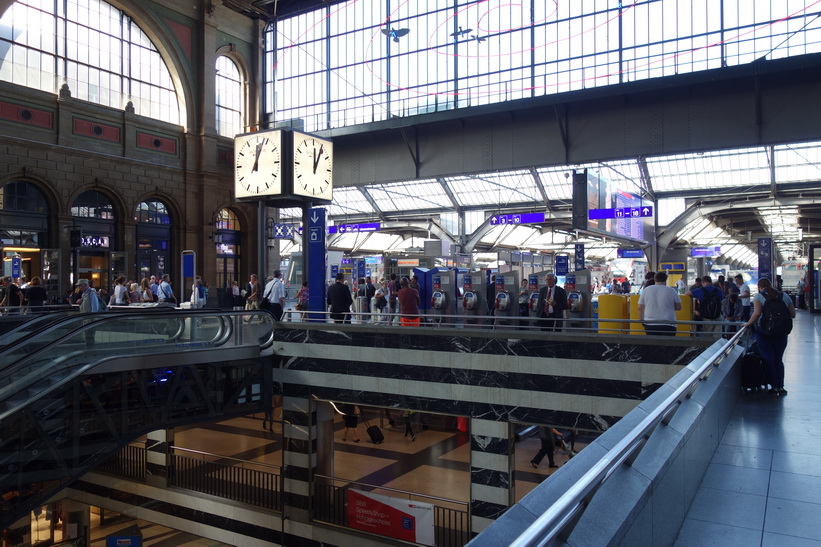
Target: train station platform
x=763 y=485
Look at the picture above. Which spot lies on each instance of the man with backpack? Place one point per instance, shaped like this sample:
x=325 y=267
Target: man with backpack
x=709 y=305
x=773 y=312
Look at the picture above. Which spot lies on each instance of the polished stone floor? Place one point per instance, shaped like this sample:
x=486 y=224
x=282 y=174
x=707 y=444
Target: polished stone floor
x=763 y=486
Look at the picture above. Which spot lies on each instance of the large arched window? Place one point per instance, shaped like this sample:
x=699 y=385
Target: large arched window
x=228 y=240
x=93 y=204
x=230 y=98
x=24 y=221
x=93 y=47
x=152 y=211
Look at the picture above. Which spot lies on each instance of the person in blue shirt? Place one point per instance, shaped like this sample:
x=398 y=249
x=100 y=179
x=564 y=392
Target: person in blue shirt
x=709 y=305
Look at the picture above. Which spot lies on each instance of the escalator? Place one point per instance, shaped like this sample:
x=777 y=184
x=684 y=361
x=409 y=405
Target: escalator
x=76 y=389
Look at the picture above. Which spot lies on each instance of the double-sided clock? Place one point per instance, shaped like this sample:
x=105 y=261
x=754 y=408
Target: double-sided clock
x=313 y=162
x=258 y=164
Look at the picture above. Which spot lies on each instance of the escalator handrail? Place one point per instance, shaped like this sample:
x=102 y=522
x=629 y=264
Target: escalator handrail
x=92 y=320
x=225 y=330
x=47 y=318
x=224 y=333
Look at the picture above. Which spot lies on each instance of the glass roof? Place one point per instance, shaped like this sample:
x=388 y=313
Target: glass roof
x=728 y=170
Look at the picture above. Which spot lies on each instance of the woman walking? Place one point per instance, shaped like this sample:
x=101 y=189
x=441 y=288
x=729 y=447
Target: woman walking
x=773 y=323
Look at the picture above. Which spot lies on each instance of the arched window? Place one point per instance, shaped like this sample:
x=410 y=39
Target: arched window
x=93 y=47
x=23 y=197
x=152 y=211
x=24 y=221
x=93 y=204
x=230 y=99
x=227 y=220
x=228 y=240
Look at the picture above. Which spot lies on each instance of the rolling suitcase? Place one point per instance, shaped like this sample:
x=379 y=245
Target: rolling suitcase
x=753 y=376
x=374 y=433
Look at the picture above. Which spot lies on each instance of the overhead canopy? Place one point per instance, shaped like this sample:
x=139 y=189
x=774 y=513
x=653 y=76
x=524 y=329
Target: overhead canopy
x=724 y=198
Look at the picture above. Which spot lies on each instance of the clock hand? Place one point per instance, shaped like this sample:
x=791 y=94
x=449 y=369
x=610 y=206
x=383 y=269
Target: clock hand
x=256 y=159
x=317 y=158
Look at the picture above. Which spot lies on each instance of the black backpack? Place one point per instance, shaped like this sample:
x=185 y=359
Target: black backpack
x=710 y=304
x=775 y=317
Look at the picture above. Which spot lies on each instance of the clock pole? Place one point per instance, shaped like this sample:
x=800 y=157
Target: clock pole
x=306 y=211
x=263 y=241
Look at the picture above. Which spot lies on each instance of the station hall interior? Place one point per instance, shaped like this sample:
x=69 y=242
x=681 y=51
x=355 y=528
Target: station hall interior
x=453 y=140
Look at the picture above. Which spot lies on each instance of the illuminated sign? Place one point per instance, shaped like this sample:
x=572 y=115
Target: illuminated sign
x=517 y=218
x=99 y=242
x=705 y=251
x=621 y=212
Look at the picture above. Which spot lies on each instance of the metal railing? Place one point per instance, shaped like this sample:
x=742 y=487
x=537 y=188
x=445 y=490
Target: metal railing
x=128 y=462
x=244 y=481
x=562 y=515
x=598 y=325
x=451 y=524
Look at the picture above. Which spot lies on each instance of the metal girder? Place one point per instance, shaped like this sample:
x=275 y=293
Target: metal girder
x=480 y=232
x=771 y=163
x=646 y=181
x=670 y=233
x=427 y=225
x=537 y=180
x=363 y=190
x=450 y=194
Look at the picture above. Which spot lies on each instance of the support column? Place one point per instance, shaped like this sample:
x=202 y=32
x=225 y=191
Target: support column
x=158 y=445
x=76 y=520
x=308 y=449
x=491 y=471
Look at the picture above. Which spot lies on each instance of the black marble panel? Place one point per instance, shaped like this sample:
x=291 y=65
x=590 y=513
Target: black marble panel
x=296 y=417
x=487 y=509
x=296 y=473
x=592 y=422
x=218 y=521
x=592 y=347
x=301 y=446
x=598 y=387
x=490 y=445
x=488 y=477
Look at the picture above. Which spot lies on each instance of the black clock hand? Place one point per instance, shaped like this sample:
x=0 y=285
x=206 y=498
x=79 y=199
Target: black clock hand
x=317 y=158
x=256 y=159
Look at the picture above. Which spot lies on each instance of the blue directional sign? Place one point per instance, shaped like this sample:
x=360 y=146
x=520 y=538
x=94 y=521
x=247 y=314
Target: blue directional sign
x=579 y=258
x=562 y=264
x=705 y=251
x=316 y=262
x=621 y=212
x=355 y=228
x=765 y=258
x=334 y=271
x=517 y=218
x=629 y=253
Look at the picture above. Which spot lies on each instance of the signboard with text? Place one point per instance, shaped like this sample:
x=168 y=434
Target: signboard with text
x=406 y=520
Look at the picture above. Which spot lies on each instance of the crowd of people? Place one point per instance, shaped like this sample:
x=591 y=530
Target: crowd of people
x=389 y=300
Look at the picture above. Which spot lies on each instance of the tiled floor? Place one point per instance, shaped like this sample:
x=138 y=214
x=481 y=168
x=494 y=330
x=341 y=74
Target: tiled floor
x=763 y=486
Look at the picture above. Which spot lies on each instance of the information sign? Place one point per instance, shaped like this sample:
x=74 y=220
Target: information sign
x=620 y=212
x=517 y=218
x=562 y=264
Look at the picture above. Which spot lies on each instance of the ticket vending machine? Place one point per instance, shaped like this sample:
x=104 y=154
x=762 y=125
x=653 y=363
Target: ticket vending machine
x=506 y=302
x=579 y=298
x=443 y=295
x=473 y=300
x=534 y=283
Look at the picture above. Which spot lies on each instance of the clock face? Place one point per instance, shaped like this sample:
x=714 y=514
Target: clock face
x=258 y=164
x=313 y=167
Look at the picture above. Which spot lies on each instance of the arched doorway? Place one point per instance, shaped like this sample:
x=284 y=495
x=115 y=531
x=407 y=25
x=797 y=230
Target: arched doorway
x=228 y=242
x=153 y=238
x=93 y=240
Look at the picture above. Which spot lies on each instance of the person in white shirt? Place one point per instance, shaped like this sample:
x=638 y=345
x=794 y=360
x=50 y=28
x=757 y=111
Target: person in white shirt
x=744 y=295
x=657 y=307
x=275 y=293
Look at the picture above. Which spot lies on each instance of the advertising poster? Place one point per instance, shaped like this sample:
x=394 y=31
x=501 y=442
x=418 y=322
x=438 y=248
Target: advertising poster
x=392 y=517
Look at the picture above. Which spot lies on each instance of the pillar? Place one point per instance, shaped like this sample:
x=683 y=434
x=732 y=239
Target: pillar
x=158 y=445
x=308 y=449
x=491 y=471
x=76 y=520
